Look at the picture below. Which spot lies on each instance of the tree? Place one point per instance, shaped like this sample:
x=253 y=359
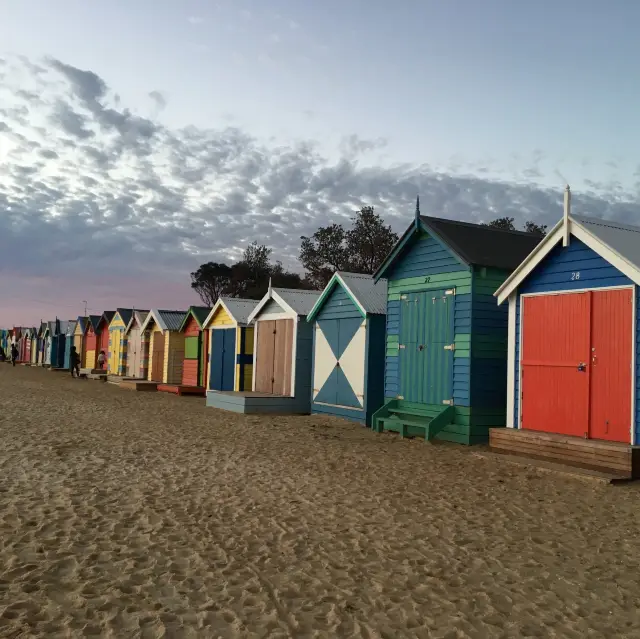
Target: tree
x=210 y=281
x=506 y=223
x=532 y=227
x=360 y=249
x=248 y=278
x=369 y=241
x=323 y=253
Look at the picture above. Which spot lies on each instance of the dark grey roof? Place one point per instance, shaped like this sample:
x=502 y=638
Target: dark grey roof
x=483 y=245
x=623 y=239
x=372 y=296
x=172 y=319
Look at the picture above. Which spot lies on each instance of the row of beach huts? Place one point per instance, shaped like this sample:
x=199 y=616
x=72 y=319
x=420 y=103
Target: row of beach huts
x=464 y=330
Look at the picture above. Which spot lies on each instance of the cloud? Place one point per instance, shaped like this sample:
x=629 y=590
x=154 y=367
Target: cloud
x=109 y=206
x=195 y=20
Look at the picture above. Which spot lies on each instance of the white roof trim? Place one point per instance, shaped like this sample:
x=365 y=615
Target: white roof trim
x=580 y=232
x=155 y=316
x=336 y=276
x=270 y=295
x=216 y=306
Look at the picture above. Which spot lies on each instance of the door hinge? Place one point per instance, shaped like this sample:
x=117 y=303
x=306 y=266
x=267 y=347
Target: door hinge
x=399 y=396
x=401 y=346
x=450 y=291
x=449 y=402
x=450 y=347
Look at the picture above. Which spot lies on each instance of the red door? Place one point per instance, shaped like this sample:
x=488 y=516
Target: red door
x=611 y=348
x=555 y=345
x=576 y=364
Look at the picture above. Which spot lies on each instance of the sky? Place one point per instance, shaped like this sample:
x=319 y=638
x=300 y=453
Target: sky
x=139 y=140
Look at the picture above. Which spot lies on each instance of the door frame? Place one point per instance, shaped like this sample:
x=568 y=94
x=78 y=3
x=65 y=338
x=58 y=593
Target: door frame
x=632 y=437
x=294 y=348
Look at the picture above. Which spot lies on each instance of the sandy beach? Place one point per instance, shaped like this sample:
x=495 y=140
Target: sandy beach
x=147 y=515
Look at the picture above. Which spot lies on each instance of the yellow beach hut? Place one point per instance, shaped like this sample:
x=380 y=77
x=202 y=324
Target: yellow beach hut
x=117 y=341
x=230 y=345
x=166 y=346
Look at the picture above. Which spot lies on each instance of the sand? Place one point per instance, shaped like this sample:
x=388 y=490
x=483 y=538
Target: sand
x=129 y=514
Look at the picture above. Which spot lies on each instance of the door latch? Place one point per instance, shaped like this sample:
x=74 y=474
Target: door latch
x=582 y=367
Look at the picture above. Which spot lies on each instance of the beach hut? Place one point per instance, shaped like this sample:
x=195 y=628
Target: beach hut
x=48 y=341
x=283 y=344
x=79 y=336
x=195 y=348
x=349 y=346
x=166 y=346
x=137 y=346
x=102 y=337
x=41 y=344
x=4 y=340
x=35 y=333
x=446 y=351
x=230 y=352
x=117 y=341
x=573 y=386
x=68 y=342
x=91 y=342
x=27 y=344
x=58 y=344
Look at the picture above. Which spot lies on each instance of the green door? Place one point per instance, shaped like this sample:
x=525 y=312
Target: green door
x=426 y=354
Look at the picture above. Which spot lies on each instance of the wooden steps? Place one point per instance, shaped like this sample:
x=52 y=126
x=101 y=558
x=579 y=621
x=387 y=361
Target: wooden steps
x=138 y=384
x=180 y=389
x=100 y=377
x=412 y=420
x=617 y=459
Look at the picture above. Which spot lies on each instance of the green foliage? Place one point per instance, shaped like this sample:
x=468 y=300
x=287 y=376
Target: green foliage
x=506 y=223
x=360 y=249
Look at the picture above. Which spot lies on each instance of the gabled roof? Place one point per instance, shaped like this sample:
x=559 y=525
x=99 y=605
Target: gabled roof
x=82 y=321
x=137 y=316
x=368 y=295
x=166 y=320
x=471 y=244
x=237 y=308
x=199 y=313
x=94 y=321
x=42 y=329
x=617 y=243
x=71 y=326
x=125 y=315
x=293 y=300
x=107 y=316
x=63 y=325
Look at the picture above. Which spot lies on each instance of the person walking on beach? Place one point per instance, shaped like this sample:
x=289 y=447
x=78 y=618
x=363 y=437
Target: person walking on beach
x=101 y=359
x=74 y=362
x=14 y=354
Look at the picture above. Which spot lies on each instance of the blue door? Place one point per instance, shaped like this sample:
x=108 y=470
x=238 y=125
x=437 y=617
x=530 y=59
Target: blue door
x=62 y=340
x=67 y=352
x=223 y=351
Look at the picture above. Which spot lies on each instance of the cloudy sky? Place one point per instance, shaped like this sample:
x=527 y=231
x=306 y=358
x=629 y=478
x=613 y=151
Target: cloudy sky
x=140 y=139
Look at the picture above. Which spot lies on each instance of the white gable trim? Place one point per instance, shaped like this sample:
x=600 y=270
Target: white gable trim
x=272 y=295
x=529 y=263
x=580 y=232
x=155 y=316
x=214 y=310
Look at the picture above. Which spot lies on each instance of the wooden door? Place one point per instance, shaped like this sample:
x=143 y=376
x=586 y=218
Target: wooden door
x=555 y=363
x=610 y=415
x=265 y=346
x=282 y=359
x=133 y=352
x=157 y=356
x=114 y=354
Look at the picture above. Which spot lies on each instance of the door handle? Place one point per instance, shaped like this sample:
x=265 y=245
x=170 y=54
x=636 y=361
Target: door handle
x=582 y=367
x=421 y=347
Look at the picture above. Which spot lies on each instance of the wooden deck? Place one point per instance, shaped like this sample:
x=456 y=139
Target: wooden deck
x=622 y=460
x=253 y=403
x=129 y=383
x=180 y=389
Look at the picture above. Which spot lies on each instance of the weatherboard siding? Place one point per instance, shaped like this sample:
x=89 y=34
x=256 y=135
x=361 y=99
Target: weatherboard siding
x=338 y=305
x=461 y=281
x=554 y=275
x=489 y=327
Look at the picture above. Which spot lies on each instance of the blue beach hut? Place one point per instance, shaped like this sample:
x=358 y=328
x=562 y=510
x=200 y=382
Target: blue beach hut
x=349 y=347
x=446 y=350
